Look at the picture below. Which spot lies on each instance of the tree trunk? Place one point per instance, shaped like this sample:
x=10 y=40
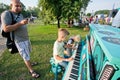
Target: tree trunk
x=58 y=23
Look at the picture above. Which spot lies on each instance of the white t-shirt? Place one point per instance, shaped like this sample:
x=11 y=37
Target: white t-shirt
x=116 y=20
x=58 y=49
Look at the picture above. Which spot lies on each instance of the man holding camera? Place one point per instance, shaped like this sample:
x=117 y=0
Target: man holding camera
x=20 y=32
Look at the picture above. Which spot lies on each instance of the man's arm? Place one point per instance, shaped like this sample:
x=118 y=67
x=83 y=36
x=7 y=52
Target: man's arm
x=9 y=28
x=6 y=20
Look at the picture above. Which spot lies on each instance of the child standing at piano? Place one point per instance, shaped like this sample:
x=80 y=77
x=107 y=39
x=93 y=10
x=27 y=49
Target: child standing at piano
x=59 y=50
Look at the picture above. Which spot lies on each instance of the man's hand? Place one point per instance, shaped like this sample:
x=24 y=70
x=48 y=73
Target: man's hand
x=23 y=22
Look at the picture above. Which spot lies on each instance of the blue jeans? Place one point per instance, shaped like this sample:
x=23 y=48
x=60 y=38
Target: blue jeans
x=63 y=64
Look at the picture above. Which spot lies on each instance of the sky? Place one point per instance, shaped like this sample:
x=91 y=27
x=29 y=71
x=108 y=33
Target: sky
x=96 y=5
x=93 y=6
x=27 y=3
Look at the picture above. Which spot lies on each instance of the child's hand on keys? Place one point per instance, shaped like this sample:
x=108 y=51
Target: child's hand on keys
x=69 y=59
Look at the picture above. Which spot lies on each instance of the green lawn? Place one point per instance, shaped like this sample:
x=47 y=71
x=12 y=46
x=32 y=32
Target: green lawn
x=42 y=39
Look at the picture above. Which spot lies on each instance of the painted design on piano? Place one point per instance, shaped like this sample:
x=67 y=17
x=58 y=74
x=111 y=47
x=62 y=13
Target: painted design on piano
x=83 y=57
x=106 y=32
x=91 y=42
x=112 y=40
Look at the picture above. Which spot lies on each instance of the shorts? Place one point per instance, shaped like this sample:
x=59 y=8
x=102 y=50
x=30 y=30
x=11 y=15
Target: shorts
x=24 y=49
x=63 y=64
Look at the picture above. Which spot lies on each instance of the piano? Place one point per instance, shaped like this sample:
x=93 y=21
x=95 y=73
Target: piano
x=73 y=67
x=98 y=58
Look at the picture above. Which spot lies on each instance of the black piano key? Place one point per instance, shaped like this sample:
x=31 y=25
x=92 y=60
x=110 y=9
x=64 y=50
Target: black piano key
x=76 y=63
x=73 y=77
x=74 y=71
x=77 y=54
x=77 y=59
x=78 y=51
x=76 y=67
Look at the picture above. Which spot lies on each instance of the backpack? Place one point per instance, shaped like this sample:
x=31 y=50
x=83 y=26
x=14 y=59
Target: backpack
x=10 y=44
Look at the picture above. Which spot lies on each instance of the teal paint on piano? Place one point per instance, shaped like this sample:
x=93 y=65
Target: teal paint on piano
x=99 y=56
x=83 y=64
x=109 y=39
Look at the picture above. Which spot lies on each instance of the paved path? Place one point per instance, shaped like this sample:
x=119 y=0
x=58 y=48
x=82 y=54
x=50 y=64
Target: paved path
x=2 y=44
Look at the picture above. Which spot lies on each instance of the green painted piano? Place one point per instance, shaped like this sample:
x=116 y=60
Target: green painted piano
x=99 y=56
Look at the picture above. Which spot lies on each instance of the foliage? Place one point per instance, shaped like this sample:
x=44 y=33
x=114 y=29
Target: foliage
x=102 y=12
x=30 y=11
x=3 y=7
x=33 y=11
x=59 y=9
x=89 y=14
x=26 y=13
x=51 y=8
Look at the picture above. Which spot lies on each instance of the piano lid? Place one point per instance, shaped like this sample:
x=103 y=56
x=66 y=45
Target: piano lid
x=106 y=32
x=112 y=40
x=109 y=40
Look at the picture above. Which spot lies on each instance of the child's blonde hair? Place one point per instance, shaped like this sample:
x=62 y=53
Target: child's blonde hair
x=64 y=31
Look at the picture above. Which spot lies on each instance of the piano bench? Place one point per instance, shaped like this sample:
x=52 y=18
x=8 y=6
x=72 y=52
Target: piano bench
x=55 y=68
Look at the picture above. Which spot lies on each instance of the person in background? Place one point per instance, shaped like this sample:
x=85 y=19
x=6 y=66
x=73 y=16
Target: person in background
x=116 y=20
x=107 y=20
x=59 y=50
x=96 y=20
x=91 y=19
x=20 y=32
x=102 y=19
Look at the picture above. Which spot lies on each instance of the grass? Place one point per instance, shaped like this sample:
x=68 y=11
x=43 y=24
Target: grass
x=42 y=39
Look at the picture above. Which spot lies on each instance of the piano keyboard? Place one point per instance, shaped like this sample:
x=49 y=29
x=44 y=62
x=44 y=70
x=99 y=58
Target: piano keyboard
x=73 y=67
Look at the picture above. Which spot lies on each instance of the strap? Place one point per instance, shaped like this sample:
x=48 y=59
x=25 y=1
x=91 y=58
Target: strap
x=13 y=22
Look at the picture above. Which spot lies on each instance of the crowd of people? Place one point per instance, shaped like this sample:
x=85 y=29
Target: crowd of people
x=97 y=19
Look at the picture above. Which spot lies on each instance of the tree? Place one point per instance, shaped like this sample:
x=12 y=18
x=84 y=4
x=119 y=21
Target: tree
x=33 y=11
x=102 y=12
x=62 y=8
x=89 y=14
x=52 y=7
x=3 y=7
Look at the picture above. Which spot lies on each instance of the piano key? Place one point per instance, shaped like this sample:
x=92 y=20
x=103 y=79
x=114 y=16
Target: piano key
x=77 y=54
x=76 y=63
x=73 y=67
x=74 y=71
x=71 y=79
x=77 y=57
x=77 y=67
x=73 y=76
